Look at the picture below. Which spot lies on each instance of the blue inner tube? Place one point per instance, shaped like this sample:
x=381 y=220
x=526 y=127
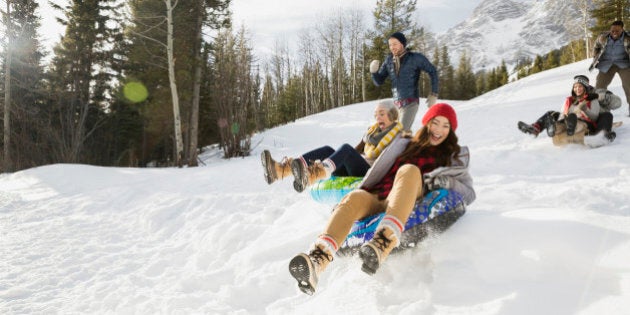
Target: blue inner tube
x=437 y=209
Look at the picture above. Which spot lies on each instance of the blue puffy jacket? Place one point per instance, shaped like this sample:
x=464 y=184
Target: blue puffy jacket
x=405 y=84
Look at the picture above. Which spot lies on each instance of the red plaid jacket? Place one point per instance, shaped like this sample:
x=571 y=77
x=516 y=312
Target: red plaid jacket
x=425 y=162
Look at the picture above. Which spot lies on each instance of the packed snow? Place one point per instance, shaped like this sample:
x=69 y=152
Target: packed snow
x=549 y=232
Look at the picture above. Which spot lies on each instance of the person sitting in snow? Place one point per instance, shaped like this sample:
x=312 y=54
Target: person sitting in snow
x=397 y=179
x=323 y=162
x=585 y=104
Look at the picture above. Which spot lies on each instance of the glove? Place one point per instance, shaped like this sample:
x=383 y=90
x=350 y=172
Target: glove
x=439 y=182
x=374 y=65
x=432 y=99
x=592 y=96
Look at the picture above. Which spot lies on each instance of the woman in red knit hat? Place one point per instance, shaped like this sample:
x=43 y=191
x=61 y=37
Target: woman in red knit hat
x=406 y=171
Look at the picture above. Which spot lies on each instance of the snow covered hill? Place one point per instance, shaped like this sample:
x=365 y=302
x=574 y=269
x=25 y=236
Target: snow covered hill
x=549 y=232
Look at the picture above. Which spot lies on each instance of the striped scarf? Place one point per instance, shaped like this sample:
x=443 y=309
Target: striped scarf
x=376 y=139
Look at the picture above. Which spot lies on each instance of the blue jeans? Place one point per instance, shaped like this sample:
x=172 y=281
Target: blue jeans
x=347 y=160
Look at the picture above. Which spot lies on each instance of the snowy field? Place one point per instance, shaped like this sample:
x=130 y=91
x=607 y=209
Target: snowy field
x=549 y=232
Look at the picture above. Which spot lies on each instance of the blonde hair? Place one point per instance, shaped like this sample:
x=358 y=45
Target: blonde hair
x=392 y=111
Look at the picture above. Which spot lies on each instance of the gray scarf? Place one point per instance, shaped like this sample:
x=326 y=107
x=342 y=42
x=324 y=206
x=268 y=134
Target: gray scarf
x=397 y=60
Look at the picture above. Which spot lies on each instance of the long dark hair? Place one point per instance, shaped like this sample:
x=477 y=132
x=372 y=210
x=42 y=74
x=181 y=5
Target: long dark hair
x=445 y=151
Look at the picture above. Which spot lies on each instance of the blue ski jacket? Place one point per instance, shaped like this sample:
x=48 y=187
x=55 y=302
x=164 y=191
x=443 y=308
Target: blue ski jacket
x=405 y=83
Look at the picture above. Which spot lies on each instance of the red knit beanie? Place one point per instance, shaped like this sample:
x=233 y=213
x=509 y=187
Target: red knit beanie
x=441 y=109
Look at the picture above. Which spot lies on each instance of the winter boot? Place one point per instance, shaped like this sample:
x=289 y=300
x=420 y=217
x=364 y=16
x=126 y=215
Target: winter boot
x=611 y=135
x=306 y=269
x=273 y=170
x=307 y=175
x=550 y=123
x=374 y=252
x=529 y=129
x=571 y=121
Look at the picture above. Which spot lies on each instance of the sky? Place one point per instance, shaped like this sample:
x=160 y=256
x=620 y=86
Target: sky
x=280 y=21
x=549 y=232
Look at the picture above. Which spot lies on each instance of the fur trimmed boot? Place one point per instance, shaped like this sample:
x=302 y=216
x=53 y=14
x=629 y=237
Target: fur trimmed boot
x=307 y=175
x=273 y=170
x=306 y=269
x=386 y=238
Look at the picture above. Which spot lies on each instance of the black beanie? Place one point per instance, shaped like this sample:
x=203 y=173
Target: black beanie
x=400 y=37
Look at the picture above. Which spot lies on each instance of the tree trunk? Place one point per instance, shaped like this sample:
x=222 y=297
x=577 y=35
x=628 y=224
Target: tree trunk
x=7 y=95
x=194 y=112
x=179 y=145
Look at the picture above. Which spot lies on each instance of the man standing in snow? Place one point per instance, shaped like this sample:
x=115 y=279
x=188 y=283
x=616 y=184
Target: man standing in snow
x=403 y=69
x=611 y=55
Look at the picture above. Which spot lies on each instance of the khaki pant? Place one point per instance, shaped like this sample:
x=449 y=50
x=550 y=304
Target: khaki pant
x=360 y=203
x=604 y=79
x=408 y=115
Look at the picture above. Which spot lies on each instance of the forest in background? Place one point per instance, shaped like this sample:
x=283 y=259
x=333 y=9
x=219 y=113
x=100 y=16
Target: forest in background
x=151 y=82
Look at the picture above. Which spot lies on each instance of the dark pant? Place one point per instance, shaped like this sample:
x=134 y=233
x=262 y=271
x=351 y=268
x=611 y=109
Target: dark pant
x=604 y=79
x=347 y=160
x=549 y=117
x=604 y=122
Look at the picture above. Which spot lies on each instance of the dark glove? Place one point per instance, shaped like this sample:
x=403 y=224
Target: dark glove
x=592 y=96
x=438 y=182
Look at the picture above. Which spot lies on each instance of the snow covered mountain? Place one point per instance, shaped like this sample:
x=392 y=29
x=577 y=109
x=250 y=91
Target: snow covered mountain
x=511 y=30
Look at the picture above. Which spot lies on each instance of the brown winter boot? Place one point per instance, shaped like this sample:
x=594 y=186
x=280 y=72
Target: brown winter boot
x=306 y=176
x=306 y=269
x=374 y=252
x=273 y=170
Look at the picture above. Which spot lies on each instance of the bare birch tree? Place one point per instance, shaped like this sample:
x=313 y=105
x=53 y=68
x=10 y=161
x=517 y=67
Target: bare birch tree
x=7 y=92
x=177 y=121
x=584 y=6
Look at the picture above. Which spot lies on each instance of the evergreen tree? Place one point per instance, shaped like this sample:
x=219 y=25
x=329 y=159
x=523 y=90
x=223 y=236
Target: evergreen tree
x=607 y=11
x=503 y=76
x=552 y=60
x=537 y=65
x=27 y=134
x=522 y=67
x=480 y=84
x=492 y=79
x=446 y=73
x=80 y=78
x=573 y=52
x=389 y=16
x=465 y=79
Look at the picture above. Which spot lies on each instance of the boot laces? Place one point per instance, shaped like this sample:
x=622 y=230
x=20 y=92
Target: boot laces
x=284 y=162
x=316 y=169
x=381 y=241
x=318 y=256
